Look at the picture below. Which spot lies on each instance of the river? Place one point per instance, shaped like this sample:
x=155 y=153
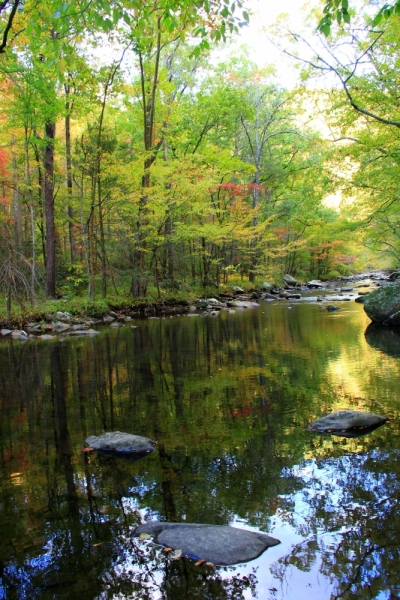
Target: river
x=228 y=399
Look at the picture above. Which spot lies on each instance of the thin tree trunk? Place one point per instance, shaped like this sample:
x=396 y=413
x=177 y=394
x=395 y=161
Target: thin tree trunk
x=16 y=205
x=85 y=241
x=91 y=241
x=139 y=279
x=254 y=258
x=40 y=190
x=32 y=213
x=102 y=243
x=50 y=132
x=68 y=158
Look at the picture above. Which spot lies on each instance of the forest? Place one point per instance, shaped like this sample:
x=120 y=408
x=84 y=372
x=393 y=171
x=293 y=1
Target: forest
x=133 y=166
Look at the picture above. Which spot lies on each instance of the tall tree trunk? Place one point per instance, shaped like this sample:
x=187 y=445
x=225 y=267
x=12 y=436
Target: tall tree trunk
x=40 y=190
x=96 y=190
x=85 y=235
x=139 y=279
x=68 y=158
x=168 y=231
x=91 y=242
x=50 y=132
x=16 y=203
x=149 y=91
x=170 y=249
x=32 y=213
x=256 y=192
x=102 y=242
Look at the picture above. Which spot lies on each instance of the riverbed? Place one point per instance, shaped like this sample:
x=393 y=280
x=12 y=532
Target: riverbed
x=228 y=399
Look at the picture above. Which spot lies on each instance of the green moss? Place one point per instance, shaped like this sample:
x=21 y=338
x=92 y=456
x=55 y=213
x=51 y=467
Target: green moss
x=383 y=302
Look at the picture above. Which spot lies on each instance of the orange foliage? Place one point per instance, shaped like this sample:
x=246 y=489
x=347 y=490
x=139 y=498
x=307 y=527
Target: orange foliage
x=3 y=163
x=235 y=190
x=282 y=233
x=345 y=260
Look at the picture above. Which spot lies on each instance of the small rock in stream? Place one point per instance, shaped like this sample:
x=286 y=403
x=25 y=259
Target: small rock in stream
x=84 y=332
x=118 y=443
x=348 y=423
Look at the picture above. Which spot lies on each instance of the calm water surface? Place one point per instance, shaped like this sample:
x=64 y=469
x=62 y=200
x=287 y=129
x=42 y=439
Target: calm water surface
x=229 y=400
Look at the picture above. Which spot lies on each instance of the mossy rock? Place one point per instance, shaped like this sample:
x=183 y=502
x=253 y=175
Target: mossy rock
x=383 y=304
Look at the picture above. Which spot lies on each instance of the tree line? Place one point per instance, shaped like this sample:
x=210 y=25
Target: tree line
x=130 y=163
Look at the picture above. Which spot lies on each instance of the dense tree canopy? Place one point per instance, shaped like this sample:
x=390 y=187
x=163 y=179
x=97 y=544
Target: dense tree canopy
x=129 y=163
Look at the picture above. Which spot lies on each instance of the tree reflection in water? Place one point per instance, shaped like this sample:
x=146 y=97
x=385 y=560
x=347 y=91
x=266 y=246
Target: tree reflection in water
x=156 y=576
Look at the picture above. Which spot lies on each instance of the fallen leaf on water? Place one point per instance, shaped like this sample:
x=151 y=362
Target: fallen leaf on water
x=167 y=550
x=209 y=564
x=200 y=562
x=177 y=554
x=144 y=536
x=192 y=556
x=98 y=544
x=15 y=475
x=88 y=449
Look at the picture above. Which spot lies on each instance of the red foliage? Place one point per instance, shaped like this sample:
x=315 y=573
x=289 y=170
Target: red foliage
x=234 y=190
x=3 y=162
x=246 y=411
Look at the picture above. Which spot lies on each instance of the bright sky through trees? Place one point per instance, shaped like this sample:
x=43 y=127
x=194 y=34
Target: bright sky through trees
x=264 y=14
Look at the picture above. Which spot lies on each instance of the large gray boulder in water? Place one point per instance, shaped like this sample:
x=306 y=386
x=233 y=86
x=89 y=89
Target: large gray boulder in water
x=315 y=283
x=347 y=423
x=118 y=443
x=383 y=304
x=219 y=544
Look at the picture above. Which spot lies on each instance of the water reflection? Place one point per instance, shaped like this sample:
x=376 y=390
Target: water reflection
x=354 y=433
x=384 y=338
x=229 y=401
x=351 y=525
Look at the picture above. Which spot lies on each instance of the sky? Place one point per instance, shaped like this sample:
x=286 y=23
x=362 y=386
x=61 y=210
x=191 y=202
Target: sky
x=264 y=13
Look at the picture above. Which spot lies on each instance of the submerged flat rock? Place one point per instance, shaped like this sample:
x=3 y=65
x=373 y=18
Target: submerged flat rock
x=242 y=304
x=120 y=443
x=350 y=422
x=219 y=544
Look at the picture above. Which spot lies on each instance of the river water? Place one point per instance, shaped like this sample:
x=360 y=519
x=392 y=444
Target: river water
x=229 y=400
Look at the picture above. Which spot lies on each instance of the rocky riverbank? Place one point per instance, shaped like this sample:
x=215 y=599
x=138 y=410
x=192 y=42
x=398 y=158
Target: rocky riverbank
x=62 y=323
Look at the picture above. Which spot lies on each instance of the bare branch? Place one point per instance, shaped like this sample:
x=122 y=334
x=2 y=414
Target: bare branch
x=9 y=23
x=321 y=64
